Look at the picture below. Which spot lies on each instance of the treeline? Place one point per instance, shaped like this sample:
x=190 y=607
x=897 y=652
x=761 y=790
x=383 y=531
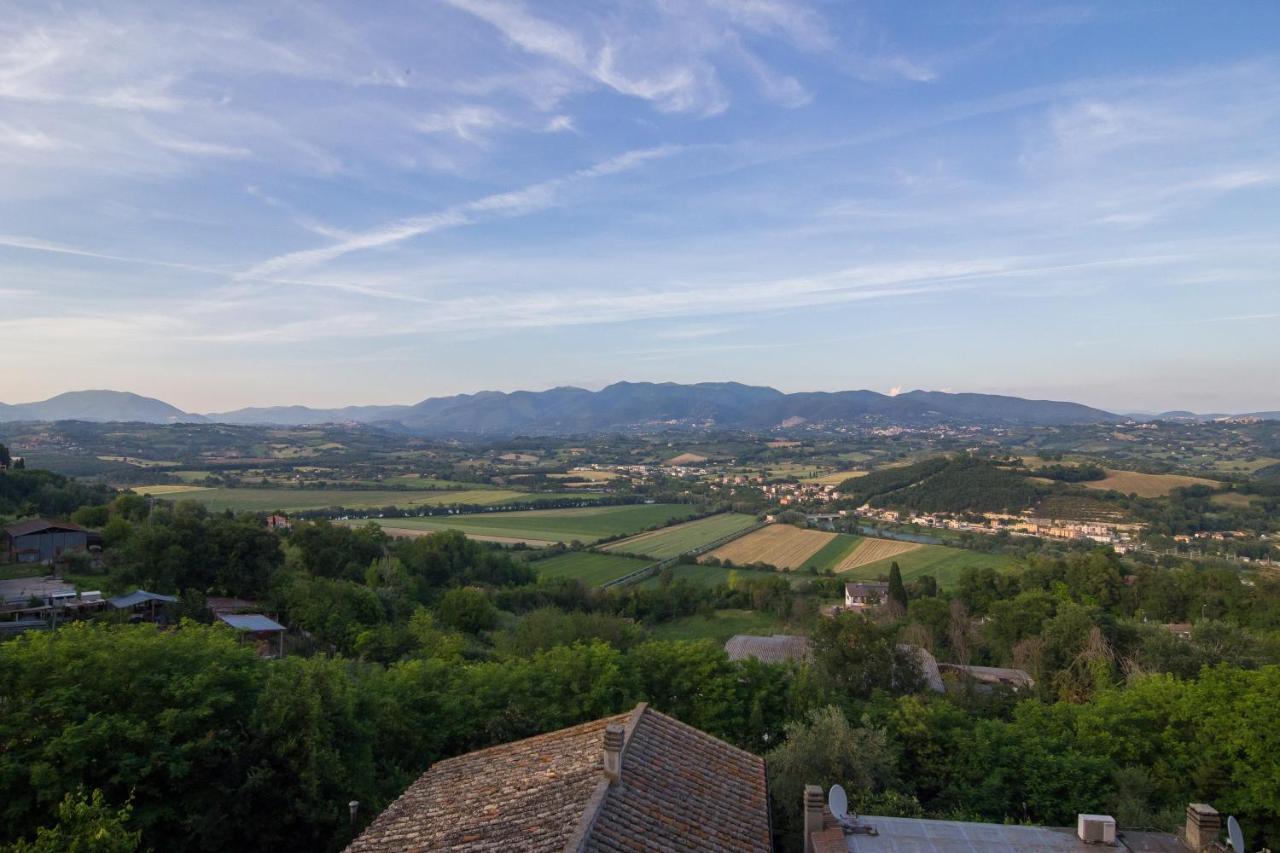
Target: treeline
x=944 y=484
x=216 y=750
x=964 y=484
x=26 y=492
x=1085 y=473
x=260 y=755
x=861 y=489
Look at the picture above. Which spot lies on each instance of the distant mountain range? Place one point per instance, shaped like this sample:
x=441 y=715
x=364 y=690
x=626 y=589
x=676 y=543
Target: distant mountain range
x=625 y=406
x=97 y=406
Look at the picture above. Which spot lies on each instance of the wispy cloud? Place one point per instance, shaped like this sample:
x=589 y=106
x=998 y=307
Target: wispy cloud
x=673 y=56
x=528 y=199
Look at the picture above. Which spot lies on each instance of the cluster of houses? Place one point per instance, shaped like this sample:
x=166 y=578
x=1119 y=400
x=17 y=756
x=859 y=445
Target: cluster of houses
x=1118 y=535
x=44 y=602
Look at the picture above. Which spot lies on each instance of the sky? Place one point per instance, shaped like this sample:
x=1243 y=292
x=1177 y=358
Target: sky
x=228 y=204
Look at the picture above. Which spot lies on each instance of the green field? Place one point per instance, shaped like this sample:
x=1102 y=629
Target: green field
x=712 y=575
x=719 y=627
x=945 y=564
x=677 y=539
x=589 y=567
x=267 y=500
x=586 y=524
x=830 y=555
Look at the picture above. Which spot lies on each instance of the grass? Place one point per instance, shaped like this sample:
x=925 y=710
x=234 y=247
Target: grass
x=1146 y=485
x=830 y=555
x=163 y=490
x=587 y=566
x=266 y=500
x=715 y=575
x=719 y=627
x=139 y=463
x=589 y=474
x=686 y=459
x=413 y=481
x=585 y=524
x=675 y=540
x=836 y=478
x=1243 y=466
x=945 y=564
x=1234 y=500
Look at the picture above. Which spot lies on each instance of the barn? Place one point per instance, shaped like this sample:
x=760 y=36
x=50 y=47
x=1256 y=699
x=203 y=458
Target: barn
x=38 y=540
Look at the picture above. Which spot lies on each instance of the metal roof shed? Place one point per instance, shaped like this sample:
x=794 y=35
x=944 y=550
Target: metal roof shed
x=140 y=596
x=256 y=623
x=253 y=623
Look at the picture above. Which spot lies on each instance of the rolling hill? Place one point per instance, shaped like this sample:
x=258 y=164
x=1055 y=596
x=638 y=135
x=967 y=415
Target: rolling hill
x=624 y=406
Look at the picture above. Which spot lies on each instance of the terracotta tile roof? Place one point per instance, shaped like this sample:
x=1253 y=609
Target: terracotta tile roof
x=773 y=649
x=526 y=795
x=680 y=789
x=683 y=789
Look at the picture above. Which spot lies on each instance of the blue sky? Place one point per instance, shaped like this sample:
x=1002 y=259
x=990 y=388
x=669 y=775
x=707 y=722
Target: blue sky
x=268 y=203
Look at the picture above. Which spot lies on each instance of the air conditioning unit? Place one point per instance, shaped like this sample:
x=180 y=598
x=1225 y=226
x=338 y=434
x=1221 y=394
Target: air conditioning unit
x=1096 y=828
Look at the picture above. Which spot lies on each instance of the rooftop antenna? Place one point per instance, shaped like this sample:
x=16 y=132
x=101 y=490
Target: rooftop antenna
x=838 y=802
x=1234 y=833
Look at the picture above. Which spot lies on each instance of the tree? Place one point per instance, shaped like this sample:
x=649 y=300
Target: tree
x=859 y=657
x=897 y=591
x=86 y=824
x=466 y=609
x=131 y=711
x=825 y=750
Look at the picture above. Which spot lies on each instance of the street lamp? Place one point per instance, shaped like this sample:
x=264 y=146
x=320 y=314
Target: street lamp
x=353 y=807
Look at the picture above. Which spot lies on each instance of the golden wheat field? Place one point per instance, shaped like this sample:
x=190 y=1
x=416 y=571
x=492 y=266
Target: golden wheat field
x=874 y=550
x=1146 y=485
x=780 y=545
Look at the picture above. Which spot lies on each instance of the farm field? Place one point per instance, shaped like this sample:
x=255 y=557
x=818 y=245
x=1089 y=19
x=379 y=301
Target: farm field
x=584 y=524
x=872 y=550
x=1146 y=485
x=944 y=563
x=1079 y=508
x=780 y=545
x=836 y=478
x=686 y=459
x=589 y=474
x=720 y=626
x=833 y=553
x=413 y=481
x=1242 y=466
x=1234 y=500
x=675 y=540
x=700 y=573
x=266 y=500
x=166 y=490
x=138 y=463
x=587 y=566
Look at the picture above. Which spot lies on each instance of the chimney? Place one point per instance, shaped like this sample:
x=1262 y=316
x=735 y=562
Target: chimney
x=1203 y=825
x=613 y=738
x=813 y=805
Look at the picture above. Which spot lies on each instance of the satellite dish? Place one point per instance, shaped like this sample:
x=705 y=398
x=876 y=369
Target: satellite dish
x=1236 y=836
x=838 y=802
